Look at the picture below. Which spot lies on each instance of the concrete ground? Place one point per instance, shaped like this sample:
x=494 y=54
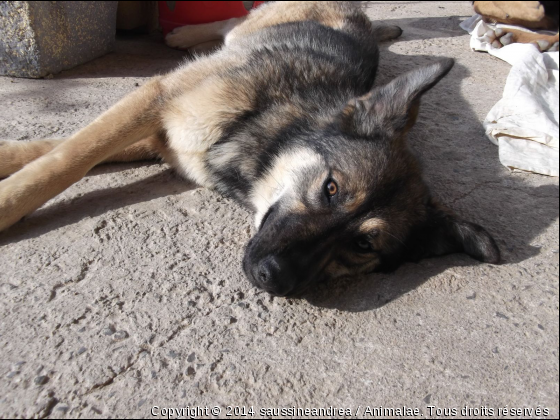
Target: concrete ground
x=126 y=292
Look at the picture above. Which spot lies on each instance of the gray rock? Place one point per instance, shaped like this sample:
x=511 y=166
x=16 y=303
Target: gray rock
x=41 y=380
x=43 y=38
x=120 y=336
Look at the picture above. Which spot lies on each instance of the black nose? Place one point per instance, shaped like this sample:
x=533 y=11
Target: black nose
x=267 y=271
x=273 y=275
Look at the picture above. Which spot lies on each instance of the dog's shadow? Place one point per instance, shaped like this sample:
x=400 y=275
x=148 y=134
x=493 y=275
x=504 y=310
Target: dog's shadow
x=164 y=183
x=374 y=291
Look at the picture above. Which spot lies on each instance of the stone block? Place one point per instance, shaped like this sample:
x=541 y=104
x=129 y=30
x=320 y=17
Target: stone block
x=45 y=37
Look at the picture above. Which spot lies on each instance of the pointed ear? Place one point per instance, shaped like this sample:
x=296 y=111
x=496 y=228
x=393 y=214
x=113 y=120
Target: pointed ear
x=392 y=109
x=444 y=233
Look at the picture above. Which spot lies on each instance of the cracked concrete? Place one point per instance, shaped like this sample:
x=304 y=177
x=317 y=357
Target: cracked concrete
x=126 y=291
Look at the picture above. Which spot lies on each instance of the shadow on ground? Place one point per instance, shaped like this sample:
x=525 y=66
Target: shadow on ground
x=423 y=27
x=97 y=202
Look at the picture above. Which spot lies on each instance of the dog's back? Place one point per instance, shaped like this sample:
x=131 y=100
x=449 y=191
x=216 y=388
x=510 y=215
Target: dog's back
x=283 y=78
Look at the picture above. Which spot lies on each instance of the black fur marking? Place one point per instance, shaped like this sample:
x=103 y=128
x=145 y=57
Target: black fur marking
x=296 y=72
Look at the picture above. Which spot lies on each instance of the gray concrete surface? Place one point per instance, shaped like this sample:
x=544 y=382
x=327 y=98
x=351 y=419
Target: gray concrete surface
x=45 y=37
x=126 y=292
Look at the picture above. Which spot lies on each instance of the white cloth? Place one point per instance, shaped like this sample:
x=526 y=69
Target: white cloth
x=524 y=123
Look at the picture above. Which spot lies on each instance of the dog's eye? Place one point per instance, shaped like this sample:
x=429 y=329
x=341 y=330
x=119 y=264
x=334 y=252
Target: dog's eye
x=363 y=245
x=331 y=188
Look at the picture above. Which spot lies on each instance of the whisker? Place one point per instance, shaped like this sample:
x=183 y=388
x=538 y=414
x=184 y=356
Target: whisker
x=269 y=171
x=264 y=198
x=390 y=234
x=280 y=185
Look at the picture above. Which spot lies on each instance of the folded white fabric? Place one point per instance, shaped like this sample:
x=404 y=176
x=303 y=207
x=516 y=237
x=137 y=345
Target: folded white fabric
x=524 y=123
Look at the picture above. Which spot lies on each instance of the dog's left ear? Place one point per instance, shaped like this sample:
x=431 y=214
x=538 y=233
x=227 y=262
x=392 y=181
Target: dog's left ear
x=392 y=109
x=444 y=233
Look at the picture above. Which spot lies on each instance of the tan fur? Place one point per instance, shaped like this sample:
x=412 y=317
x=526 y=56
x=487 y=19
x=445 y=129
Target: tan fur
x=529 y=14
x=183 y=106
x=52 y=173
x=192 y=122
x=16 y=154
x=152 y=147
x=373 y=224
x=326 y=13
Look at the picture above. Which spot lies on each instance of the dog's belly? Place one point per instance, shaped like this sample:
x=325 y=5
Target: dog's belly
x=194 y=121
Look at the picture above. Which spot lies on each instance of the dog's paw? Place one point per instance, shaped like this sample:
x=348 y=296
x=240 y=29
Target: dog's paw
x=178 y=38
x=187 y=37
x=498 y=37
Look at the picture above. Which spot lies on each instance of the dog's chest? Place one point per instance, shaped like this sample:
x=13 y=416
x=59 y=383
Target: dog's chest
x=194 y=121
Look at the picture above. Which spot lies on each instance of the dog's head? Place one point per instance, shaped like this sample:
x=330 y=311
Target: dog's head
x=351 y=199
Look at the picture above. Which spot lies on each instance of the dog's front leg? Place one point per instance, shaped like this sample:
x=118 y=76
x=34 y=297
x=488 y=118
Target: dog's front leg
x=134 y=118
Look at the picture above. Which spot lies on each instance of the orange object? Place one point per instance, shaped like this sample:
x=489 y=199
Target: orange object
x=173 y=14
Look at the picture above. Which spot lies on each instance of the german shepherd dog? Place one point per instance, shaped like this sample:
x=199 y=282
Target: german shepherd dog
x=283 y=118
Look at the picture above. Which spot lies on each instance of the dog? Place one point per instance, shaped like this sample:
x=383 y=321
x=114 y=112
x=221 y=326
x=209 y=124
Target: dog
x=285 y=120
x=533 y=15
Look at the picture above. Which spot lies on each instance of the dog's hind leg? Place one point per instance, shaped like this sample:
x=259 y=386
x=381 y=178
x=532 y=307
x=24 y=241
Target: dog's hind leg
x=134 y=118
x=387 y=32
x=331 y=14
x=14 y=155
x=150 y=148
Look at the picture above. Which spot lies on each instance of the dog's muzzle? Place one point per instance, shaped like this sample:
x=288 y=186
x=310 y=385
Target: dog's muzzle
x=274 y=275
x=284 y=258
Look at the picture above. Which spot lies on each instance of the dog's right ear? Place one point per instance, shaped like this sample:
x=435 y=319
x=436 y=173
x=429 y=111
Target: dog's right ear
x=391 y=110
x=444 y=233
